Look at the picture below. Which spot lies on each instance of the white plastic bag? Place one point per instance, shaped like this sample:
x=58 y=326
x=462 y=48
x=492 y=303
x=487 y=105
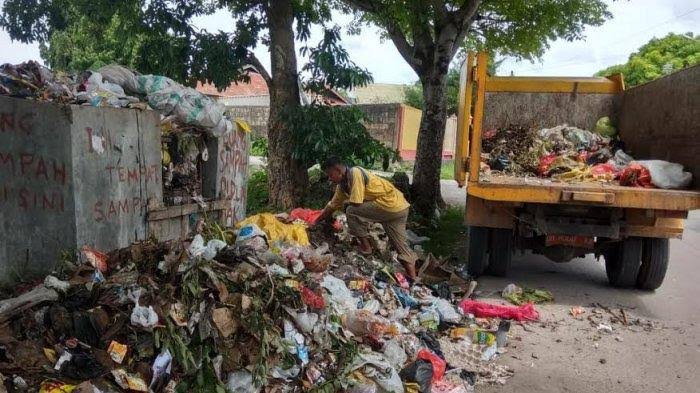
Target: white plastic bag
x=241 y=381
x=375 y=367
x=144 y=317
x=121 y=76
x=340 y=295
x=666 y=174
x=395 y=354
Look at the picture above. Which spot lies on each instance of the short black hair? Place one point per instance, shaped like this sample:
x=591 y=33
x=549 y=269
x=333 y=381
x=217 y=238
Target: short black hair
x=330 y=162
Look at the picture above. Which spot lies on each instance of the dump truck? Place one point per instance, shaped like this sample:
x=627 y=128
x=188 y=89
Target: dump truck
x=629 y=227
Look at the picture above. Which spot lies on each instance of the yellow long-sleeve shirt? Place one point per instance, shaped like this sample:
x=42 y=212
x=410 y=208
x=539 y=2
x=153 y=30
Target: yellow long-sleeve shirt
x=376 y=190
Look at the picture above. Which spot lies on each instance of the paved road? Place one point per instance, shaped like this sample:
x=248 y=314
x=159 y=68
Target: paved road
x=560 y=354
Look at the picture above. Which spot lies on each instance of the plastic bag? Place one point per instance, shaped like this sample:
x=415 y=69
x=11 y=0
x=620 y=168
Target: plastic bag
x=622 y=159
x=311 y=299
x=404 y=297
x=545 y=163
x=145 y=317
x=605 y=128
x=276 y=230
x=446 y=310
x=241 y=382
x=439 y=364
x=339 y=295
x=636 y=175
x=363 y=323
x=375 y=367
x=525 y=312
x=666 y=174
x=394 y=353
x=307 y=215
x=421 y=372
x=252 y=236
x=121 y=76
x=607 y=171
x=208 y=252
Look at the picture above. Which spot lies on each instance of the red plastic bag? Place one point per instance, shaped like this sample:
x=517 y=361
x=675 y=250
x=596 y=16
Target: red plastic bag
x=526 y=312
x=635 y=175
x=439 y=364
x=603 y=170
x=308 y=215
x=545 y=163
x=311 y=299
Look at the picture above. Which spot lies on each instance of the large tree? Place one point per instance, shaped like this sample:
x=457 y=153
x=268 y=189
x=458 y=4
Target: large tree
x=658 y=57
x=158 y=36
x=428 y=34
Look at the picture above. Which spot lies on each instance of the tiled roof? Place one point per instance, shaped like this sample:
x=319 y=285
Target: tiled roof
x=256 y=87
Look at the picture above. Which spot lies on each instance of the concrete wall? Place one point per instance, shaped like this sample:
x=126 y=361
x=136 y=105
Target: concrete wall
x=37 y=209
x=661 y=120
x=383 y=122
x=256 y=116
x=73 y=175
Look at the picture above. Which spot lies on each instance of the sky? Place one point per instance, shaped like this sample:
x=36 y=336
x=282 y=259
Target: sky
x=634 y=23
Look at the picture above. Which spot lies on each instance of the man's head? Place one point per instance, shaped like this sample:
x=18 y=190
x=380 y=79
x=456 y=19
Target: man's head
x=334 y=168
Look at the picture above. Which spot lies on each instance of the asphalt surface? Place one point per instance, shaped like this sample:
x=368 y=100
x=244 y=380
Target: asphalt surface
x=566 y=354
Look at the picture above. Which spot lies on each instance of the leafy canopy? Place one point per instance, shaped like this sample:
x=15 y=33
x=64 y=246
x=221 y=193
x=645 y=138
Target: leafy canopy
x=658 y=57
x=320 y=132
x=159 y=36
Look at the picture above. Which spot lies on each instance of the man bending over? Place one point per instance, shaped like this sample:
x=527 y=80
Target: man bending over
x=368 y=198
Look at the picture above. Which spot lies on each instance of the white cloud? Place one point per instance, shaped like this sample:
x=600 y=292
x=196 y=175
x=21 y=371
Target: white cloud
x=634 y=23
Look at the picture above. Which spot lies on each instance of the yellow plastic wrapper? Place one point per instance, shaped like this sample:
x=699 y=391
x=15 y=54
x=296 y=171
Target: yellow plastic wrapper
x=243 y=125
x=277 y=230
x=55 y=387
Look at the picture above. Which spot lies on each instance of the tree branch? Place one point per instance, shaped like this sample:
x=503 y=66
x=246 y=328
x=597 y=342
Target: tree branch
x=464 y=17
x=407 y=51
x=255 y=62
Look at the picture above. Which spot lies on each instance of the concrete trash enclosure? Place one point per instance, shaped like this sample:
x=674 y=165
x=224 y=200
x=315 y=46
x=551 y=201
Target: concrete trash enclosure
x=78 y=175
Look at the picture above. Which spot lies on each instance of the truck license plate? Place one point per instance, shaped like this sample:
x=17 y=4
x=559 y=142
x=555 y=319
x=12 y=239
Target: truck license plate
x=570 y=240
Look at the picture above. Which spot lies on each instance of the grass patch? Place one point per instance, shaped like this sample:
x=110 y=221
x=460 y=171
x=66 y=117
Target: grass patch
x=447 y=234
x=318 y=194
x=447 y=170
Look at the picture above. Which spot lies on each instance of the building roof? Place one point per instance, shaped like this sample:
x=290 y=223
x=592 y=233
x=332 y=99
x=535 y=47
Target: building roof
x=256 y=87
x=380 y=93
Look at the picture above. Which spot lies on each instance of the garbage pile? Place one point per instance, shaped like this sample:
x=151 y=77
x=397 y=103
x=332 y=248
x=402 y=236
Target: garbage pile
x=188 y=117
x=261 y=311
x=571 y=154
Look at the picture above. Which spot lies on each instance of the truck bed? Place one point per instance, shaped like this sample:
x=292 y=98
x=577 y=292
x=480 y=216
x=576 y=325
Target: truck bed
x=500 y=187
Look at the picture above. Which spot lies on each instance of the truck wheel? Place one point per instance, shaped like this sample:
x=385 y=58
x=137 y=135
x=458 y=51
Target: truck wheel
x=500 y=252
x=655 y=254
x=477 y=244
x=622 y=262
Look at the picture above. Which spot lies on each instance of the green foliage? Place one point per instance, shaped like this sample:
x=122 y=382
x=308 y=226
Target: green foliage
x=414 y=93
x=447 y=170
x=447 y=234
x=524 y=28
x=320 y=132
x=658 y=57
x=259 y=146
x=330 y=65
x=258 y=196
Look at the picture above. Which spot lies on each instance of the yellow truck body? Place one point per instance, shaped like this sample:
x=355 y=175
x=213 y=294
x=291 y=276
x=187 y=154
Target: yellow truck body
x=499 y=205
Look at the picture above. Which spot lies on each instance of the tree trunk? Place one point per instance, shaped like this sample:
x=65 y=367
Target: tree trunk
x=287 y=178
x=425 y=189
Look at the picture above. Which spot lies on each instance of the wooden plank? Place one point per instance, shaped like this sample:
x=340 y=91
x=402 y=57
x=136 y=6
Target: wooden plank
x=544 y=110
x=463 y=119
x=489 y=214
x=162 y=213
x=551 y=85
x=587 y=196
x=661 y=120
x=475 y=144
x=512 y=189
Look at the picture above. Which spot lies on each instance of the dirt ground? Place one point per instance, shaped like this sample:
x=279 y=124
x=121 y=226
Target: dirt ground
x=564 y=354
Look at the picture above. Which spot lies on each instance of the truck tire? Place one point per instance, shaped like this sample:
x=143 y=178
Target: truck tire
x=500 y=252
x=622 y=262
x=477 y=245
x=655 y=255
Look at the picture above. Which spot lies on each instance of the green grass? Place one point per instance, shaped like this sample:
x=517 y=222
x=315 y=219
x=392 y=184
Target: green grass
x=319 y=192
x=447 y=170
x=447 y=234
